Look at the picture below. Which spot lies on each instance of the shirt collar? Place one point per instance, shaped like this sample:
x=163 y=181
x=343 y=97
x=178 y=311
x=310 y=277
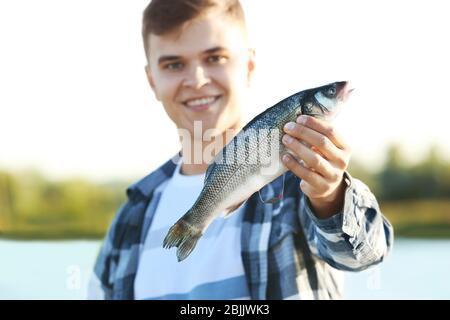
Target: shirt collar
x=147 y=185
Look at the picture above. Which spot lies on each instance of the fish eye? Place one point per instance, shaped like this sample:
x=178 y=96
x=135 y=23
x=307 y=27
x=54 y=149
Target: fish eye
x=331 y=91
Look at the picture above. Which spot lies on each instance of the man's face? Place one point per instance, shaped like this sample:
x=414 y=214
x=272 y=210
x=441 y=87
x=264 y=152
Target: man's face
x=201 y=73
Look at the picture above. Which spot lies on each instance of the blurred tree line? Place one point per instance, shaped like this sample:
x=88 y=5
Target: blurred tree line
x=31 y=206
x=398 y=180
x=415 y=198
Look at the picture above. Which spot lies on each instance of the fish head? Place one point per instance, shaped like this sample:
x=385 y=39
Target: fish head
x=324 y=102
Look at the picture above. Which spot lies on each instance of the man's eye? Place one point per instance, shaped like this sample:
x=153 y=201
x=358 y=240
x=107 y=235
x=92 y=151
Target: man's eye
x=174 y=66
x=217 y=59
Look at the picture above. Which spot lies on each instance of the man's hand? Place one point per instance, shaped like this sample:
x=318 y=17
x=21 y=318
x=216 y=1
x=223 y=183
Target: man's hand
x=323 y=156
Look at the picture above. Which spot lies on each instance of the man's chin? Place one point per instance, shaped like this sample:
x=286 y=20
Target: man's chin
x=207 y=129
x=205 y=133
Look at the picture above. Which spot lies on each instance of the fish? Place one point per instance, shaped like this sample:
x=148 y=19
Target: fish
x=251 y=160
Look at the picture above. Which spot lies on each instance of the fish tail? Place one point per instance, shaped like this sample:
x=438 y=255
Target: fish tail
x=183 y=236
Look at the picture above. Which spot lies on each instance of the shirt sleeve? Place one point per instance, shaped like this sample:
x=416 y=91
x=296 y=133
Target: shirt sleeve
x=95 y=290
x=354 y=239
x=100 y=283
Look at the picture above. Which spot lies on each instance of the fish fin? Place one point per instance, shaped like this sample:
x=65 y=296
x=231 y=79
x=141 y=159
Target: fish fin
x=183 y=236
x=217 y=159
x=208 y=171
x=228 y=211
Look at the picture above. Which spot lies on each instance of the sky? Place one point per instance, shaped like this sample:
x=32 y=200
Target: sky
x=74 y=99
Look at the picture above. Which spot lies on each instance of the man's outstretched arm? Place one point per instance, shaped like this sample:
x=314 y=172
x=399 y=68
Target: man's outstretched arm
x=354 y=239
x=341 y=217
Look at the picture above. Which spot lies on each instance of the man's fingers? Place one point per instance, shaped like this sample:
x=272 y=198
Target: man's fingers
x=325 y=128
x=321 y=142
x=307 y=175
x=312 y=159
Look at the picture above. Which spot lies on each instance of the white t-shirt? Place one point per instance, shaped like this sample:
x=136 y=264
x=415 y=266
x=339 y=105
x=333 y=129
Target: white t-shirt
x=214 y=269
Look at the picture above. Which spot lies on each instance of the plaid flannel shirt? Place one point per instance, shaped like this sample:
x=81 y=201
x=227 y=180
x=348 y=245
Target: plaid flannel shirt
x=287 y=252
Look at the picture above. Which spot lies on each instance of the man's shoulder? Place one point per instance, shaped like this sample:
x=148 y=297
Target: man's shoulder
x=139 y=194
x=146 y=185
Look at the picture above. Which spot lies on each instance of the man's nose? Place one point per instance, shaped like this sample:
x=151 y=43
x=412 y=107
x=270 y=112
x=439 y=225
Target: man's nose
x=197 y=77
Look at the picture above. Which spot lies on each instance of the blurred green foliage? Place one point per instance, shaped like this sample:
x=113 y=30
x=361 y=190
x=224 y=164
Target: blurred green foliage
x=33 y=207
x=415 y=198
x=398 y=180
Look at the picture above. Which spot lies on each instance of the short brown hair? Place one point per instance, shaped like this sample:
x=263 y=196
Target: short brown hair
x=163 y=16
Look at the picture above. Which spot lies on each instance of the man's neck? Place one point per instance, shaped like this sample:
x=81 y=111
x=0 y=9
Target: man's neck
x=198 y=154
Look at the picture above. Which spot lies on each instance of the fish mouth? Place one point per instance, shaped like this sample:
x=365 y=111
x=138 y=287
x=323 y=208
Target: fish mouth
x=344 y=90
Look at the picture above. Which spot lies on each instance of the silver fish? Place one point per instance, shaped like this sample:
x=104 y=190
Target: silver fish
x=249 y=161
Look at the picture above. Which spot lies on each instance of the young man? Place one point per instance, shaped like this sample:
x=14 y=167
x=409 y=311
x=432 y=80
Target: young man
x=199 y=68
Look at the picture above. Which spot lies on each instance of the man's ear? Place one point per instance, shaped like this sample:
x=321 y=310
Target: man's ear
x=151 y=82
x=251 y=64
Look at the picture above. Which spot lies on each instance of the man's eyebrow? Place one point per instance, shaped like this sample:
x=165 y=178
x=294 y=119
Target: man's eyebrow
x=215 y=49
x=163 y=59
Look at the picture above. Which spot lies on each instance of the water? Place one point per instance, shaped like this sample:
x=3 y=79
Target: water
x=416 y=269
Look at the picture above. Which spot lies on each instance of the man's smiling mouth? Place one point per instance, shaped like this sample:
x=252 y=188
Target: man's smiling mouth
x=201 y=104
